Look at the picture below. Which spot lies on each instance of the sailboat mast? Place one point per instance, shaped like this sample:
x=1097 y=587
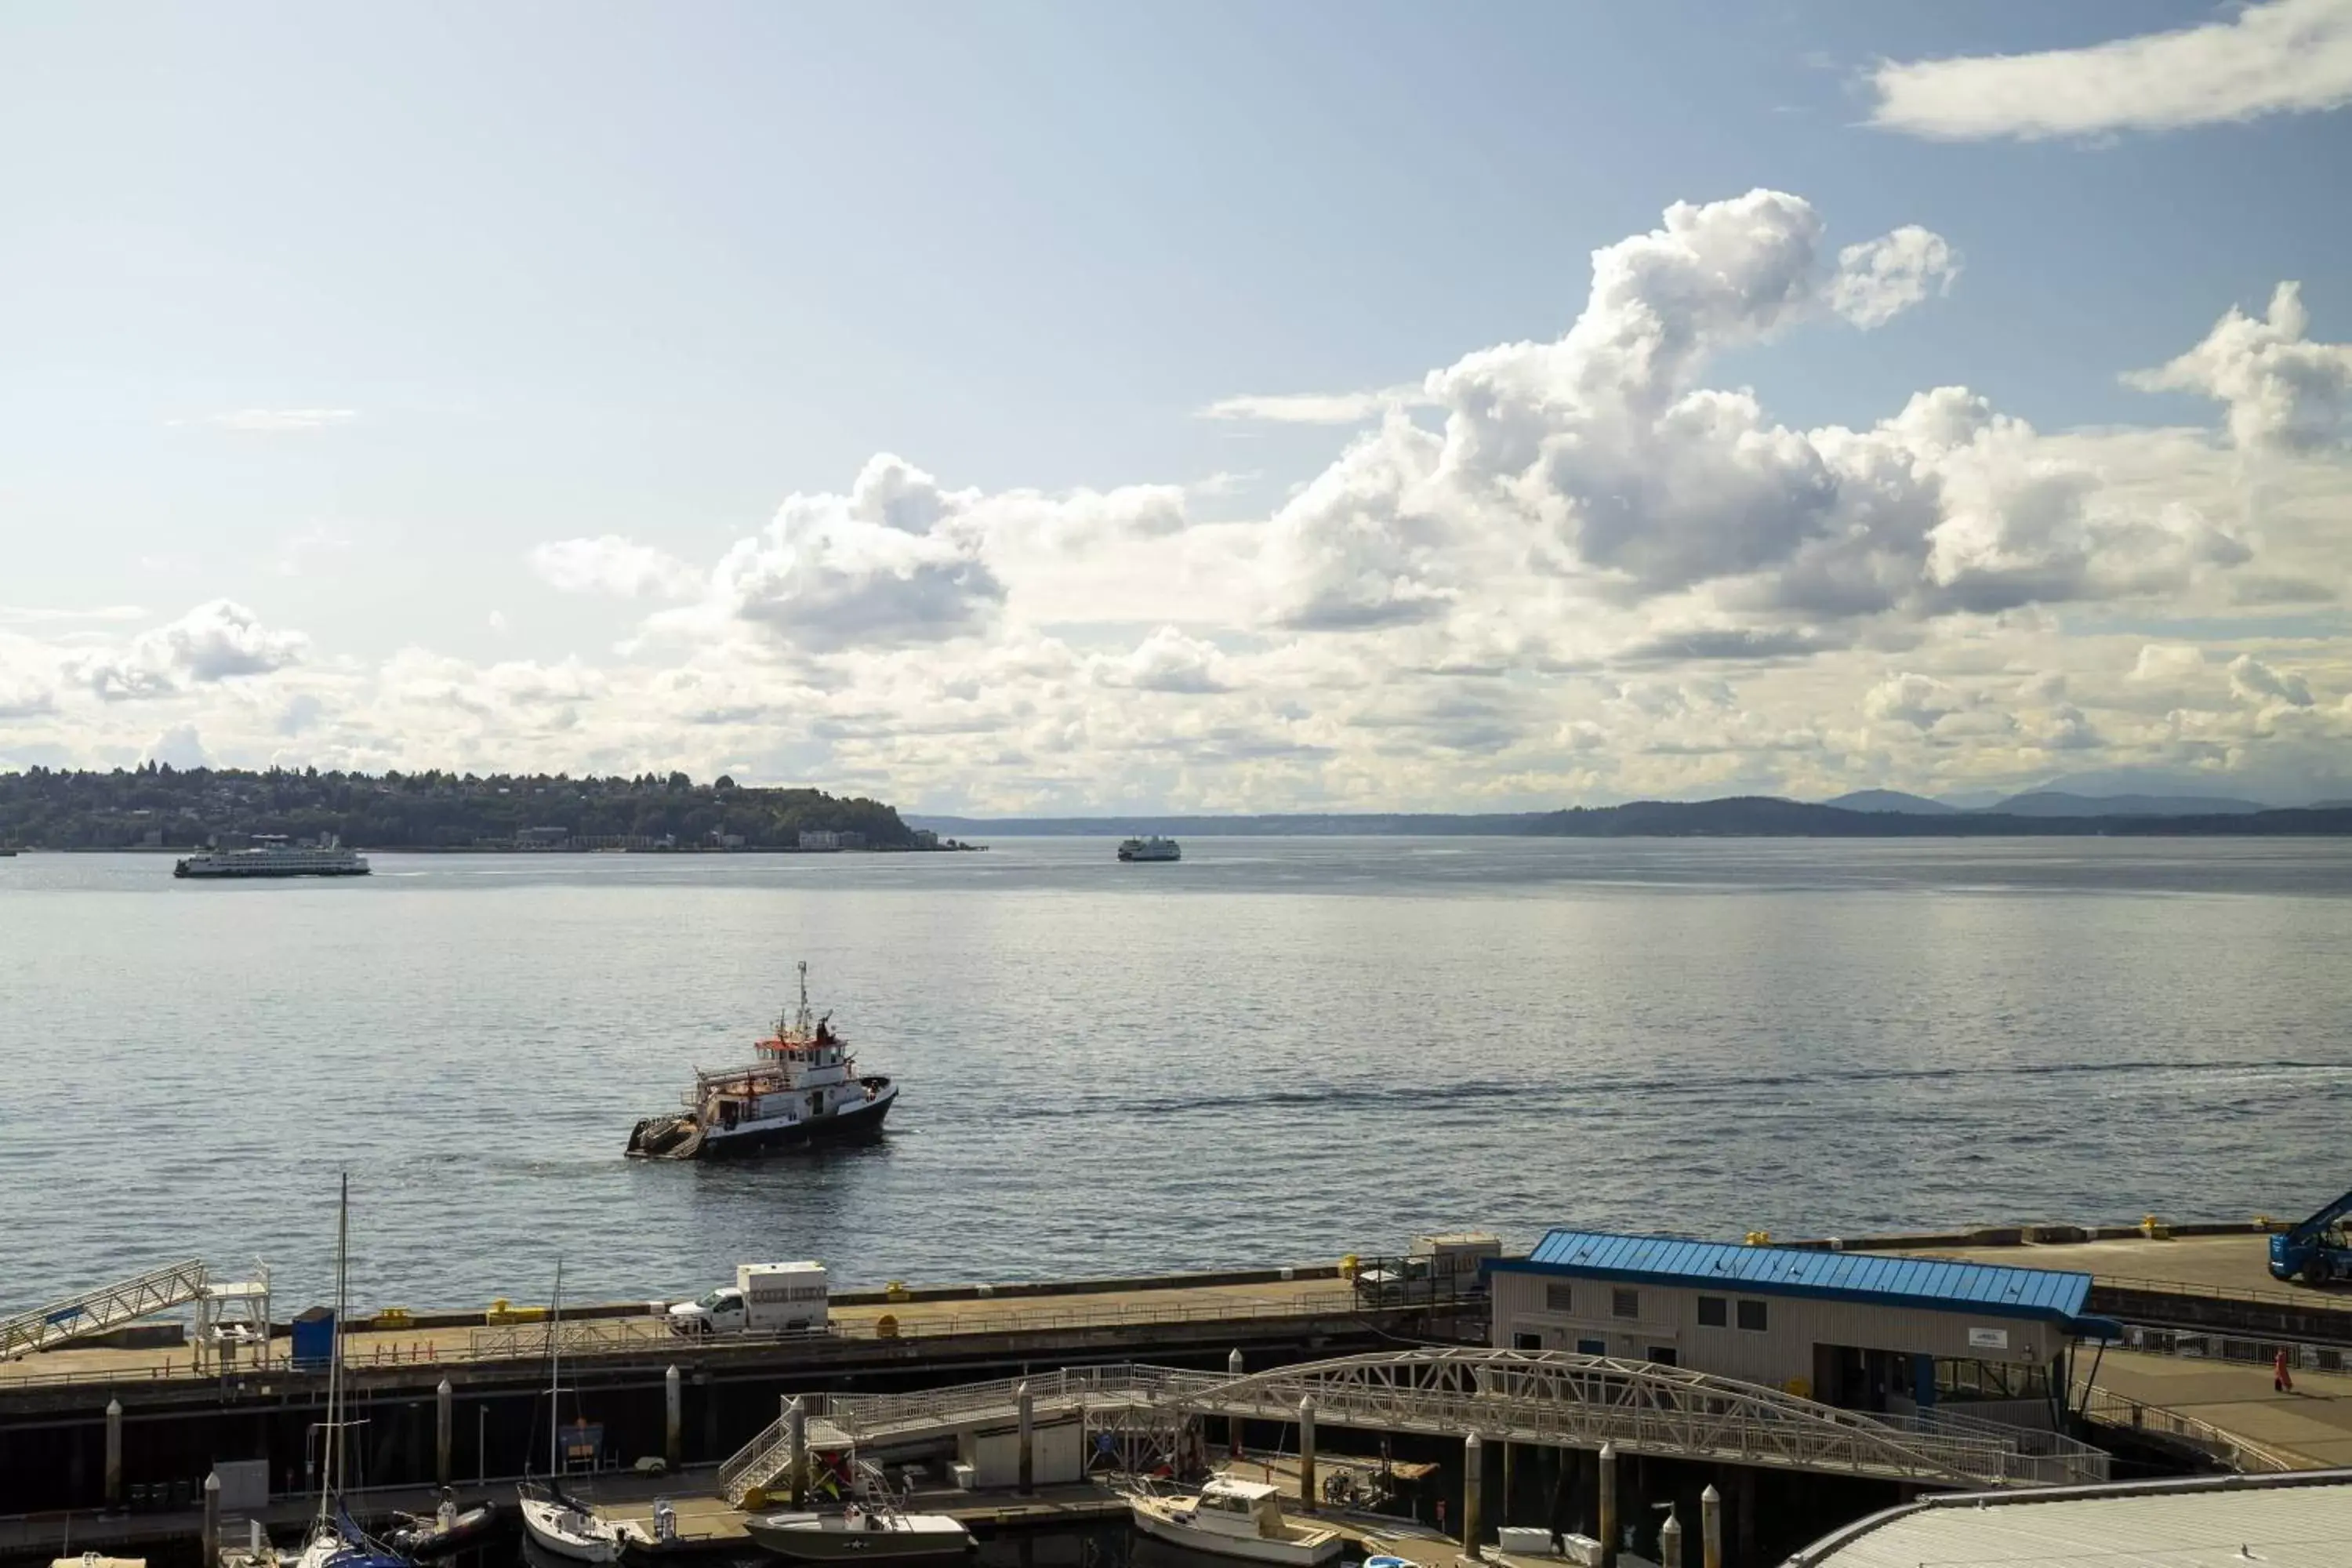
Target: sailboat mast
x=555 y=1373
x=331 y=1462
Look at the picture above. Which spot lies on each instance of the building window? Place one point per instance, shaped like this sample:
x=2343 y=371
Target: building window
x=1527 y=1342
x=1557 y=1297
x=1662 y=1355
x=1625 y=1303
x=1592 y=1347
x=1751 y=1315
x=1714 y=1312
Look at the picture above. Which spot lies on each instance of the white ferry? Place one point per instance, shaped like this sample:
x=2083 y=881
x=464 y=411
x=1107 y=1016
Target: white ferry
x=273 y=855
x=804 y=1089
x=1152 y=848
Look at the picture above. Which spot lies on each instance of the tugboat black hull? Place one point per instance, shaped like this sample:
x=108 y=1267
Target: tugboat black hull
x=681 y=1138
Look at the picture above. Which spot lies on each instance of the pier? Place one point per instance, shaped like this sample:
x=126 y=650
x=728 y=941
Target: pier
x=109 y=1443
x=138 y=1427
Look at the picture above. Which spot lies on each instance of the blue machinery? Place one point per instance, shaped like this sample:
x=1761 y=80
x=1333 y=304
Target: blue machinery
x=2319 y=1251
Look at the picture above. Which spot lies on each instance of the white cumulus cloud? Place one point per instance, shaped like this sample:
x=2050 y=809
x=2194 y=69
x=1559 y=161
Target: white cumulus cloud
x=2283 y=392
x=1313 y=407
x=1596 y=470
x=214 y=642
x=2254 y=681
x=1881 y=278
x=2275 y=57
x=613 y=564
x=1167 y=660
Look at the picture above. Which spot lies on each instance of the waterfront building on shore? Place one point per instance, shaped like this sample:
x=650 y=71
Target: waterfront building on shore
x=1888 y=1335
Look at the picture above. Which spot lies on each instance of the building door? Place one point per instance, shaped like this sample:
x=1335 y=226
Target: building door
x=1853 y=1378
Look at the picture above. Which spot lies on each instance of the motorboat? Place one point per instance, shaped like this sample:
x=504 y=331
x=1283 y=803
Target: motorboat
x=446 y=1530
x=1231 y=1517
x=862 y=1531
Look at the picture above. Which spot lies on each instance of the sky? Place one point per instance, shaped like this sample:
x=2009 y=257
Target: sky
x=1026 y=408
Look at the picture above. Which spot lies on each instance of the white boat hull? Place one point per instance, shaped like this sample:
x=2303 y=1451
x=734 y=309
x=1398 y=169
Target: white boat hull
x=1154 y=1518
x=829 y=1538
x=573 y=1532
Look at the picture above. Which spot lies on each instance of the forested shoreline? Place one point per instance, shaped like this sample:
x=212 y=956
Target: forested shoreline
x=160 y=806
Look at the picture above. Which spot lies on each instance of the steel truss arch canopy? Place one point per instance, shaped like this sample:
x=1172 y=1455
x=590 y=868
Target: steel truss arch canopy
x=1561 y=1399
x=1549 y=1398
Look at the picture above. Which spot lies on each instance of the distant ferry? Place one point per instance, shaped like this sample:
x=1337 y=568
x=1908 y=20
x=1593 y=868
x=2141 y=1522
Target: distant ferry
x=273 y=855
x=1152 y=848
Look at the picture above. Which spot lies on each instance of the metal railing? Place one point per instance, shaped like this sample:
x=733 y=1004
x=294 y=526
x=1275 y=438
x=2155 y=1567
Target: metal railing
x=2308 y=1300
x=1548 y=1397
x=95 y=1312
x=2253 y=1350
x=2238 y=1453
x=2080 y=1463
x=591 y=1337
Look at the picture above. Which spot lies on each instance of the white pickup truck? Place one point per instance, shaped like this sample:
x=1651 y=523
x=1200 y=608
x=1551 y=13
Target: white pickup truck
x=766 y=1297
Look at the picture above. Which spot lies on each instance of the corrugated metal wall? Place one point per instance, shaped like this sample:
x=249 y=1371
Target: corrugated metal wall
x=1780 y=1353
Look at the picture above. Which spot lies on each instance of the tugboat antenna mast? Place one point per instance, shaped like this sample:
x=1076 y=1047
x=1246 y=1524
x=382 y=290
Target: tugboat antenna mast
x=801 y=1019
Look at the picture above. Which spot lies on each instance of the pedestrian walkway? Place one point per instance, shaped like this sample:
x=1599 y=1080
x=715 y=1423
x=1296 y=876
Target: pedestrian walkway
x=2311 y=1426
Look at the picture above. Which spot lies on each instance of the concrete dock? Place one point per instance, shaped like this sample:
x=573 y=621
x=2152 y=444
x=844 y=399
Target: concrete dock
x=2207 y=1286
x=175 y=1421
x=2235 y=1262
x=964 y=1315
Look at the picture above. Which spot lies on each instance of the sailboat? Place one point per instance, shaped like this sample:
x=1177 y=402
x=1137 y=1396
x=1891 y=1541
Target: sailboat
x=335 y=1542
x=555 y=1522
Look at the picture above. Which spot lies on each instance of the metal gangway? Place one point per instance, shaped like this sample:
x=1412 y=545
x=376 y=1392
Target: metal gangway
x=1549 y=1398
x=95 y=1312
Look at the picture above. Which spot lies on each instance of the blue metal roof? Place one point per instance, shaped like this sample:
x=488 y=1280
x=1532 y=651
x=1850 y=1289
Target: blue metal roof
x=2047 y=1294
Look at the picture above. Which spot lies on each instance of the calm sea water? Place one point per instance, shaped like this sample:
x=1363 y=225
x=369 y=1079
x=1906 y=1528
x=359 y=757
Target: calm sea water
x=1274 y=1051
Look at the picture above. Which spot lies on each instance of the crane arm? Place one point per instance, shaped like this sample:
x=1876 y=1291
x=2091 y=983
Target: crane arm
x=2318 y=1224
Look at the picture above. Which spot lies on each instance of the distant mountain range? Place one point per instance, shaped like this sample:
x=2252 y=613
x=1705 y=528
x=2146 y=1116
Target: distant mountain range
x=2053 y=803
x=2032 y=815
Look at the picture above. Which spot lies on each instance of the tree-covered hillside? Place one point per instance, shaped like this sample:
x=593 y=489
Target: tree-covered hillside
x=47 y=809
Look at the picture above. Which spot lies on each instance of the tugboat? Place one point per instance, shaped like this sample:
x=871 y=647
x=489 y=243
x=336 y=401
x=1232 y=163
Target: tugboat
x=1152 y=848
x=805 y=1089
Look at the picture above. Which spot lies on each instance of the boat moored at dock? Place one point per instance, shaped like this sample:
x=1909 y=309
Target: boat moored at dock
x=805 y=1089
x=1233 y=1518
x=862 y=1531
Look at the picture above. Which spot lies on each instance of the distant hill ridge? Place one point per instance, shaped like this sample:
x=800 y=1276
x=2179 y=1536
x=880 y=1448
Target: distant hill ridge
x=2058 y=803
x=1892 y=800
x=1733 y=817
